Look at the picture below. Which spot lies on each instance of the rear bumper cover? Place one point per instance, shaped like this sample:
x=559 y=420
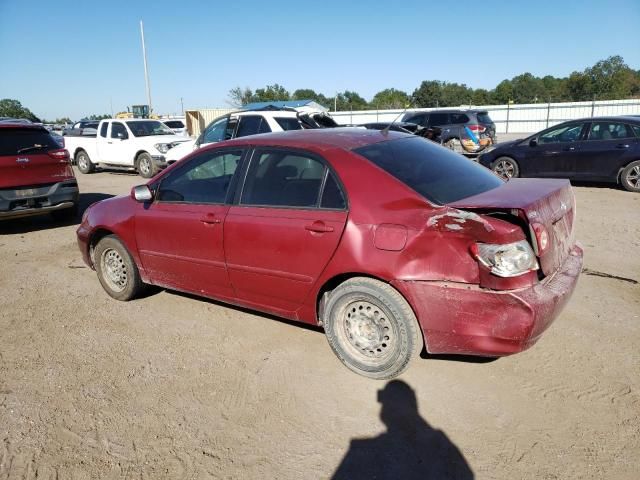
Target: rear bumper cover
x=466 y=319
x=38 y=199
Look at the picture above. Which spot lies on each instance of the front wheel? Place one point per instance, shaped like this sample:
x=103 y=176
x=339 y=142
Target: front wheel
x=371 y=328
x=84 y=162
x=117 y=272
x=506 y=168
x=630 y=177
x=146 y=167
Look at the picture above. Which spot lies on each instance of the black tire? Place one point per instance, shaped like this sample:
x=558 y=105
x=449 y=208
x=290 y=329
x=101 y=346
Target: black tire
x=371 y=328
x=65 y=214
x=630 y=177
x=117 y=272
x=506 y=167
x=145 y=166
x=84 y=162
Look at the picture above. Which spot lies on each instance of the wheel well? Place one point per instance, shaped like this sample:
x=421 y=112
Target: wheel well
x=138 y=153
x=332 y=283
x=98 y=235
x=621 y=169
x=78 y=150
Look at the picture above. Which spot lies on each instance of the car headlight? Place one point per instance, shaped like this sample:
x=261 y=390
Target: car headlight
x=162 y=147
x=506 y=260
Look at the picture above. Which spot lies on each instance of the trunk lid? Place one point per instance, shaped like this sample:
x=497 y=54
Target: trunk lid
x=548 y=202
x=29 y=157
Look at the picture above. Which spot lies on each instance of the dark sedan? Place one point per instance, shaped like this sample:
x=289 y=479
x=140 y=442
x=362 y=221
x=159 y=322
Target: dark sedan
x=599 y=149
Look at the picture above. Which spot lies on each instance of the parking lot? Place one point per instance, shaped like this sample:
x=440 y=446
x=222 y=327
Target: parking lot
x=173 y=386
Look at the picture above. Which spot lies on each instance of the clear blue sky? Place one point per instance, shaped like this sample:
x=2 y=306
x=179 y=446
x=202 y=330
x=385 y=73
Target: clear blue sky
x=64 y=58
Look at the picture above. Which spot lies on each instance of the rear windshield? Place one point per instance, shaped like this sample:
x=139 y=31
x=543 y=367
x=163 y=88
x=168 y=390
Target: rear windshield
x=16 y=141
x=288 y=123
x=483 y=117
x=435 y=172
x=173 y=123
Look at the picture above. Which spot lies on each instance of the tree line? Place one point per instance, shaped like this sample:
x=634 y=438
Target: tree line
x=609 y=79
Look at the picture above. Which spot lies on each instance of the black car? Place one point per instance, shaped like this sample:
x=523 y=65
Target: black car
x=599 y=149
x=458 y=127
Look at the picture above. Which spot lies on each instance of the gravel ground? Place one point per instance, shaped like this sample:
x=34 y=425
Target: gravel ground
x=173 y=386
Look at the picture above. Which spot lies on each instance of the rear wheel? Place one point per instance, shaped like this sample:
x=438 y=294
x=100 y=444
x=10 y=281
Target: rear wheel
x=84 y=162
x=371 y=328
x=630 y=177
x=145 y=165
x=506 y=167
x=117 y=272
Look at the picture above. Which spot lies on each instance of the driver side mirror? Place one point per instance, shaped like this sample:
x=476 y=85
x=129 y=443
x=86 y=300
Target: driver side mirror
x=533 y=142
x=141 y=193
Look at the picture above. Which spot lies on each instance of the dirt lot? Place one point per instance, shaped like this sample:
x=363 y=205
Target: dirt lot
x=171 y=386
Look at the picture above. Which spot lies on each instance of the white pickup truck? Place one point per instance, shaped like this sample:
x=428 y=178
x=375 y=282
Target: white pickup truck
x=124 y=143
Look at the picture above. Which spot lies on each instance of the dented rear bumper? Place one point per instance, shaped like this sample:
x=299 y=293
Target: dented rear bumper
x=466 y=319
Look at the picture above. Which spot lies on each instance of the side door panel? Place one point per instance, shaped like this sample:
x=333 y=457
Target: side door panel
x=609 y=146
x=556 y=153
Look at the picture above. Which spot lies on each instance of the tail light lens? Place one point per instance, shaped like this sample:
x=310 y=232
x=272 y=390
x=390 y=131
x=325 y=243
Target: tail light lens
x=61 y=155
x=542 y=238
x=477 y=128
x=506 y=260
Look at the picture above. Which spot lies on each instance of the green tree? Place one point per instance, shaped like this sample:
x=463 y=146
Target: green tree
x=97 y=117
x=239 y=96
x=349 y=100
x=390 y=98
x=309 y=94
x=14 y=109
x=271 y=93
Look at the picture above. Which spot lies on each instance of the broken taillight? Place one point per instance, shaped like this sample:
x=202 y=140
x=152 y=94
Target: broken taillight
x=506 y=260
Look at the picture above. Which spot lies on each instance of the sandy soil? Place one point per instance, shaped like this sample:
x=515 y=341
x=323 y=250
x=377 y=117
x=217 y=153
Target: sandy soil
x=171 y=386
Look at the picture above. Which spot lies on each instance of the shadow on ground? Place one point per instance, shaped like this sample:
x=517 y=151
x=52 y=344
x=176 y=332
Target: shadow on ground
x=409 y=449
x=47 y=221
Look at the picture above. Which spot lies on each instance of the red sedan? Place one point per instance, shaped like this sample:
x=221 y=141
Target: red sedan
x=387 y=240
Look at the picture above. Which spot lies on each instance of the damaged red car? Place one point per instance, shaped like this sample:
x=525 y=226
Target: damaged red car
x=388 y=241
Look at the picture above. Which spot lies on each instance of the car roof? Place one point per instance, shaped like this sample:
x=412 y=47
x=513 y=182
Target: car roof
x=626 y=118
x=320 y=139
x=450 y=110
x=22 y=126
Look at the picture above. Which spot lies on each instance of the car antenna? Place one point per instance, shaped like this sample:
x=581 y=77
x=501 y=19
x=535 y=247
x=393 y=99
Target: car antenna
x=385 y=130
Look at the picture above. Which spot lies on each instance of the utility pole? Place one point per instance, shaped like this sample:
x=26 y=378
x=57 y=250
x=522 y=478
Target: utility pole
x=146 y=71
x=182 y=105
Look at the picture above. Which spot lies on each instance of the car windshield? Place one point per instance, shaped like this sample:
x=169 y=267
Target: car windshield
x=15 y=141
x=435 y=172
x=147 y=128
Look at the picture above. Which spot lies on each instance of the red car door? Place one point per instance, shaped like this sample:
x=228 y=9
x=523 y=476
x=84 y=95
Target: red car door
x=180 y=234
x=285 y=229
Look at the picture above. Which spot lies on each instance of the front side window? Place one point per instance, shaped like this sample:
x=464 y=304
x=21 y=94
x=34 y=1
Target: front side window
x=438 y=174
x=283 y=179
x=417 y=119
x=567 y=133
x=636 y=130
x=118 y=130
x=203 y=180
x=216 y=131
x=252 y=125
x=609 y=131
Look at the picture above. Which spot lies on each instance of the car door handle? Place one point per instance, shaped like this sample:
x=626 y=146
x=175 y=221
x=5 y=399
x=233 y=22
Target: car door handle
x=569 y=149
x=209 y=218
x=319 y=227
x=622 y=145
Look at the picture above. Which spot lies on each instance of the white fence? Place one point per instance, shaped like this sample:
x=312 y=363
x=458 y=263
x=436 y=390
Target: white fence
x=521 y=118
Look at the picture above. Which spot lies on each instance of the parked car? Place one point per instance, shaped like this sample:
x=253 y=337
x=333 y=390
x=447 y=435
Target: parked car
x=175 y=124
x=252 y=122
x=431 y=133
x=83 y=127
x=35 y=173
x=132 y=143
x=441 y=251
x=464 y=131
x=600 y=149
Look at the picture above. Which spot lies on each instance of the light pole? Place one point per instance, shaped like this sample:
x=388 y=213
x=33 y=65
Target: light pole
x=146 y=71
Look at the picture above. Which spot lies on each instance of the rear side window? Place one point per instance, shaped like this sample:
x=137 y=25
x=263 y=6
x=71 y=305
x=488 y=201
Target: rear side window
x=459 y=118
x=103 y=130
x=483 y=117
x=436 y=173
x=252 y=125
x=15 y=141
x=636 y=130
x=173 y=123
x=283 y=179
x=288 y=123
x=609 y=131
x=332 y=196
x=437 y=119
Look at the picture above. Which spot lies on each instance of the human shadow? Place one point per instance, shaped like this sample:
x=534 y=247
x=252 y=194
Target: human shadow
x=409 y=449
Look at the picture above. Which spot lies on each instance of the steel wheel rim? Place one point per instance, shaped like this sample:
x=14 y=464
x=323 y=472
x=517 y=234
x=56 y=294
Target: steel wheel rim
x=144 y=166
x=504 y=168
x=114 y=270
x=367 y=331
x=633 y=177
